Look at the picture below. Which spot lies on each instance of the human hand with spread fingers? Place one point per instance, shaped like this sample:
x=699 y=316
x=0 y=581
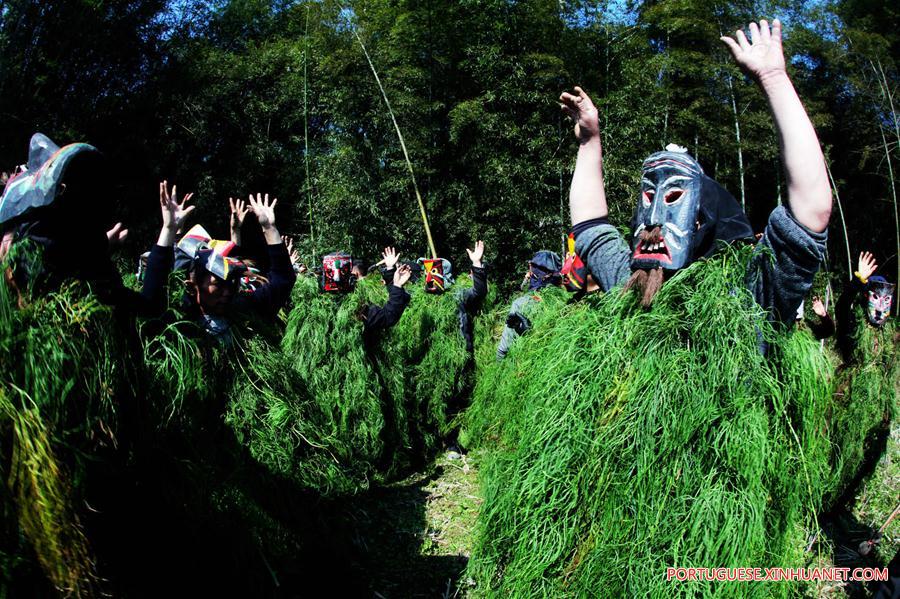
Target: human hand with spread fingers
x=477 y=254
x=402 y=275
x=239 y=211
x=265 y=215
x=762 y=57
x=174 y=213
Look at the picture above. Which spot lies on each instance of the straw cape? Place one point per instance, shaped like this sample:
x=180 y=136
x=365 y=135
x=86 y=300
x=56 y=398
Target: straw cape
x=662 y=437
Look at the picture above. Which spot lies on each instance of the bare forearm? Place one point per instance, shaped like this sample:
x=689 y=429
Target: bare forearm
x=273 y=237
x=587 y=198
x=809 y=192
x=236 y=236
x=167 y=236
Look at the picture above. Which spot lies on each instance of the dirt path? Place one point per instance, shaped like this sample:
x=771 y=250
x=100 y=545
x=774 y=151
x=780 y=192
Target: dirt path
x=415 y=535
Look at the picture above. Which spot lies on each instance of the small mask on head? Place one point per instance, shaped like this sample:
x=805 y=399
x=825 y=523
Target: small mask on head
x=438 y=274
x=337 y=277
x=574 y=271
x=215 y=280
x=543 y=270
x=41 y=182
x=196 y=240
x=879 y=297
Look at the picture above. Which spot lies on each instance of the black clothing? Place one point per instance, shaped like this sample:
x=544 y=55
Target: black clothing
x=846 y=319
x=151 y=301
x=380 y=319
x=822 y=328
x=383 y=318
x=470 y=301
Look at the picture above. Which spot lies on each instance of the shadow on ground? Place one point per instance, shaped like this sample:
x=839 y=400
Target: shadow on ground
x=411 y=543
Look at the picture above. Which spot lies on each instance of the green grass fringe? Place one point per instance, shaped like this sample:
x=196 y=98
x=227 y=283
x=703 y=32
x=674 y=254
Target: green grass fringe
x=622 y=441
x=59 y=386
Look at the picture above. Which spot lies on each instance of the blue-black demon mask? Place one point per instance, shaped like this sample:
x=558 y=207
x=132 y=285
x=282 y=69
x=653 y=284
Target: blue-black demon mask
x=681 y=213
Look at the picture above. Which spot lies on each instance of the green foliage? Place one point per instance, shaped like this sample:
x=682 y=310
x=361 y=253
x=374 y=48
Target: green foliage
x=866 y=399
x=652 y=439
x=58 y=411
x=334 y=418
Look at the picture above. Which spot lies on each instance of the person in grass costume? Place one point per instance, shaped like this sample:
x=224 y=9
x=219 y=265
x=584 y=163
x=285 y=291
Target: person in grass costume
x=682 y=215
x=377 y=319
x=874 y=295
x=53 y=202
x=211 y=289
x=469 y=301
x=621 y=441
x=543 y=274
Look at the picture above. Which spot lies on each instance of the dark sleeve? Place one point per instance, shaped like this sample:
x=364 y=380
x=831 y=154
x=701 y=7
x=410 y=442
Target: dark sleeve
x=272 y=296
x=822 y=327
x=150 y=301
x=846 y=321
x=472 y=299
x=153 y=293
x=780 y=274
x=387 y=275
x=379 y=319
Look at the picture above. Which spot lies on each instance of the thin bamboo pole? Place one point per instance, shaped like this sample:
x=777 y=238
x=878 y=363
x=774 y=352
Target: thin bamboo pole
x=409 y=165
x=308 y=184
x=837 y=198
x=888 y=96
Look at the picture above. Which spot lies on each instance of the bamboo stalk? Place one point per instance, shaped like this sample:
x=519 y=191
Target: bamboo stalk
x=312 y=231
x=837 y=198
x=737 y=135
x=887 y=95
x=409 y=165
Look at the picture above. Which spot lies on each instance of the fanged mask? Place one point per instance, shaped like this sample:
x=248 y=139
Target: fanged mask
x=879 y=297
x=670 y=202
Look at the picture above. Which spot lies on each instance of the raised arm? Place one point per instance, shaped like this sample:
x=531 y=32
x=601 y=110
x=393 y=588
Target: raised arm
x=265 y=214
x=239 y=211
x=274 y=295
x=151 y=301
x=587 y=198
x=389 y=258
x=809 y=192
x=173 y=213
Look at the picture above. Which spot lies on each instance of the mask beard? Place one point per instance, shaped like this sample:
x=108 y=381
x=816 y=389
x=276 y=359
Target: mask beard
x=647 y=282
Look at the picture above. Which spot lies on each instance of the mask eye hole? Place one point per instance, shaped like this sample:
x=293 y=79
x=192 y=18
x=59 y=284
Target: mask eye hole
x=673 y=196
x=648 y=196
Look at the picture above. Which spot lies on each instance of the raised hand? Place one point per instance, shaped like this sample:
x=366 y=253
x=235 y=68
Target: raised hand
x=866 y=265
x=239 y=210
x=390 y=257
x=581 y=109
x=294 y=254
x=116 y=236
x=265 y=214
x=173 y=212
x=819 y=307
x=402 y=275
x=763 y=54
x=264 y=211
x=476 y=254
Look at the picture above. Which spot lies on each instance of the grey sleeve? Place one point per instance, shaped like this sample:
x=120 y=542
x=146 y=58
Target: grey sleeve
x=606 y=255
x=780 y=273
x=507 y=339
x=509 y=336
